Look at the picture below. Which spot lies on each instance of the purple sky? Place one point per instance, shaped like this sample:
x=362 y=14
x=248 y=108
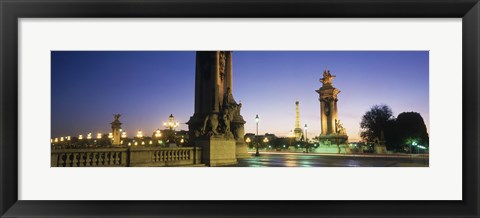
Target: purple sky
x=147 y=86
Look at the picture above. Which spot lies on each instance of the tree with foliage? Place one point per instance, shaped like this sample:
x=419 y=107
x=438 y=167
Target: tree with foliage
x=379 y=118
x=411 y=128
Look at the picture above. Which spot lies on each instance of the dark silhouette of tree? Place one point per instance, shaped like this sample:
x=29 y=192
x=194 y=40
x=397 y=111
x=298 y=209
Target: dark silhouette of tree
x=399 y=132
x=410 y=128
x=391 y=138
x=379 y=118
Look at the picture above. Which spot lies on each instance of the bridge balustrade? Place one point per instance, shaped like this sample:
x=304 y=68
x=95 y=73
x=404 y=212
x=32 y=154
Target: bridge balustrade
x=123 y=157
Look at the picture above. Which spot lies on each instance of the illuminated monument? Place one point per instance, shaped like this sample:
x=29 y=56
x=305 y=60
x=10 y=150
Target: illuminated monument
x=333 y=137
x=116 y=129
x=297 y=131
x=216 y=124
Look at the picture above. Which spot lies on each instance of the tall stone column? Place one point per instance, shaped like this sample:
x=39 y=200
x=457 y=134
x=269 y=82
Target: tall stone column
x=216 y=122
x=332 y=130
x=331 y=118
x=228 y=72
x=116 y=126
x=323 y=117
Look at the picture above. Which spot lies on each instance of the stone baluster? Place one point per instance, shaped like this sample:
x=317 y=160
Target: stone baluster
x=111 y=158
x=88 y=159
x=94 y=159
x=61 y=160
x=101 y=159
x=68 y=161
x=81 y=163
x=117 y=158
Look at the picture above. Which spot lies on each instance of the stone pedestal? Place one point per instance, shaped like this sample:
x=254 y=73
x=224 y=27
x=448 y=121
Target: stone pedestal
x=346 y=149
x=239 y=133
x=380 y=149
x=241 y=150
x=331 y=149
x=333 y=143
x=217 y=151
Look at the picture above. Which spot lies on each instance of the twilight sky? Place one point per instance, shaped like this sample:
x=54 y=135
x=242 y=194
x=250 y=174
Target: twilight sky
x=88 y=87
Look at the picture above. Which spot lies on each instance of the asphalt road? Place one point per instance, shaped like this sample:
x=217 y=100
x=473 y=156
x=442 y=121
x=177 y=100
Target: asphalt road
x=307 y=160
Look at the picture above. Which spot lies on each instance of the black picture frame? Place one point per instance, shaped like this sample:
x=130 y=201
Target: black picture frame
x=12 y=10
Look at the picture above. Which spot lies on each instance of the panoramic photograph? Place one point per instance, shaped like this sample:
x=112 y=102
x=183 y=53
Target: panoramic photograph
x=239 y=109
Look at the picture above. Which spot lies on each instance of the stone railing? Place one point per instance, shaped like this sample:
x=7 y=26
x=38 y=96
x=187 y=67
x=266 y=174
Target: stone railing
x=124 y=157
x=89 y=157
x=153 y=156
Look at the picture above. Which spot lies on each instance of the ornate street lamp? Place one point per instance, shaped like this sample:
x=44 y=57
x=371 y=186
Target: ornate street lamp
x=139 y=134
x=158 y=134
x=256 y=137
x=265 y=140
x=171 y=123
x=306 y=138
x=248 y=142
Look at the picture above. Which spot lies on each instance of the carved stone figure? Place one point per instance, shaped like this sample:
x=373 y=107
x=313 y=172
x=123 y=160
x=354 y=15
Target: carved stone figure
x=116 y=117
x=211 y=122
x=222 y=64
x=327 y=77
x=228 y=98
x=339 y=128
x=226 y=118
x=238 y=129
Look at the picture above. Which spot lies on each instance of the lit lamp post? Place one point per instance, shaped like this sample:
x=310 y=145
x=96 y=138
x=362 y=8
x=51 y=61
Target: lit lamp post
x=139 y=134
x=110 y=136
x=306 y=138
x=158 y=134
x=256 y=137
x=171 y=124
x=248 y=142
x=265 y=140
